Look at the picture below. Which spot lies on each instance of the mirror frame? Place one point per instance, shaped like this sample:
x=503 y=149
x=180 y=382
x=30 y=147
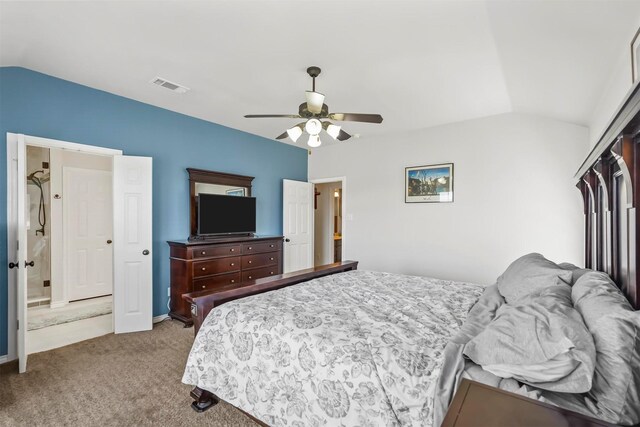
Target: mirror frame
x=211 y=177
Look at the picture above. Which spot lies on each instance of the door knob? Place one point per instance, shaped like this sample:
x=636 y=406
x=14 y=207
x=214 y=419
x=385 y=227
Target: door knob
x=145 y=252
x=109 y=242
x=29 y=264
x=287 y=240
x=13 y=265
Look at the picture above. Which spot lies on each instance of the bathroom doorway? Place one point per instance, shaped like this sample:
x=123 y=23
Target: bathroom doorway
x=328 y=220
x=131 y=218
x=69 y=236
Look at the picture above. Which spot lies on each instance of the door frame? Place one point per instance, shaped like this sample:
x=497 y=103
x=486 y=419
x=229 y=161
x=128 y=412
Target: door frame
x=12 y=220
x=343 y=180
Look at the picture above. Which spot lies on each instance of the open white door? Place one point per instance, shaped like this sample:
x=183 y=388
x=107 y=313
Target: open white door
x=132 y=241
x=297 y=224
x=21 y=259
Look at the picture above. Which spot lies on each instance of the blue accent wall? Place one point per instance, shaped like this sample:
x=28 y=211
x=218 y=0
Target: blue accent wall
x=40 y=105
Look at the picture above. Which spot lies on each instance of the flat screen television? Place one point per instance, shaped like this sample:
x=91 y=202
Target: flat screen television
x=221 y=214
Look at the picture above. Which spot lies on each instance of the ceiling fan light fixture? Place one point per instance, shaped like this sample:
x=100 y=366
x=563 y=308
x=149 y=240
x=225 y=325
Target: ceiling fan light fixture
x=313 y=127
x=314 y=101
x=314 y=141
x=294 y=133
x=333 y=130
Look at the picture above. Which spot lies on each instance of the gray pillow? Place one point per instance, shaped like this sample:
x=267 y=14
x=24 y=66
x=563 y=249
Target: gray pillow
x=615 y=327
x=542 y=342
x=576 y=272
x=528 y=276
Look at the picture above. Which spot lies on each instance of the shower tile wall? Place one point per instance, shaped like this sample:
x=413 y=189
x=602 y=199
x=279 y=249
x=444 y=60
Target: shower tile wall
x=38 y=245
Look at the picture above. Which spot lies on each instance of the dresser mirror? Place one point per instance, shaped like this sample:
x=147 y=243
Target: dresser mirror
x=210 y=182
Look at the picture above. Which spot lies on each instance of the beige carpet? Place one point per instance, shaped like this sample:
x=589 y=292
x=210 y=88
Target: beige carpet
x=114 y=380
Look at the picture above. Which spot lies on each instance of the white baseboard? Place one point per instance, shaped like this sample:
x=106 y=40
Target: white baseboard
x=160 y=318
x=4 y=359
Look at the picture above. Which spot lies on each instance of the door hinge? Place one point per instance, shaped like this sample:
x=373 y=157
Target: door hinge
x=17 y=323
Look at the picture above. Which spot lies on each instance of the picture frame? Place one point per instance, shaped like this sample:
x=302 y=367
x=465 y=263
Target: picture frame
x=635 y=57
x=429 y=183
x=240 y=192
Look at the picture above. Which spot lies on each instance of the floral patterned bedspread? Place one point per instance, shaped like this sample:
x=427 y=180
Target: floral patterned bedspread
x=358 y=348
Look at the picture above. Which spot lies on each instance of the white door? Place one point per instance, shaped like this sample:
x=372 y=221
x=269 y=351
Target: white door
x=297 y=224
x=87 y=227
x=22 y=212
x=132 y=240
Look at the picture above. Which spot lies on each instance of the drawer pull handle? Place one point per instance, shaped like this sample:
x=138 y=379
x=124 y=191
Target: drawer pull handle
x=203 y=253
x=233 y=249
x=249 y=277
x=233 y=281
x=204 y=268
x=204 y=287
x=250 y=261
x=271 y=259
x=271 y=246
x=271 y=272
x=250 y=248
x=232 y=264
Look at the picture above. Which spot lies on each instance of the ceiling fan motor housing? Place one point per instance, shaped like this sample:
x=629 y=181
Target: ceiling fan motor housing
x=304 y=111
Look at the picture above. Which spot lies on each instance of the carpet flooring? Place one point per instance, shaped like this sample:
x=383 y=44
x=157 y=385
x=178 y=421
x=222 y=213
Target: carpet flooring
x=114 y=380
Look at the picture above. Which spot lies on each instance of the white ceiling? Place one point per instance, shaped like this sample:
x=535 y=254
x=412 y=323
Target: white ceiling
x=418 y=63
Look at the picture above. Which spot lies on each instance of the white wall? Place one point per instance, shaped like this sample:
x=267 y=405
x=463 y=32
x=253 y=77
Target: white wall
x=613 y=93
x=514 y=194
x=59 y=159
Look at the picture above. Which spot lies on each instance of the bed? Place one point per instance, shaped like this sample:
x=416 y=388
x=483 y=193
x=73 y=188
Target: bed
x=337 y=346
x=350 y=347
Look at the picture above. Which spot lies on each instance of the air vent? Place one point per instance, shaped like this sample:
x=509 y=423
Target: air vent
x=169 y=85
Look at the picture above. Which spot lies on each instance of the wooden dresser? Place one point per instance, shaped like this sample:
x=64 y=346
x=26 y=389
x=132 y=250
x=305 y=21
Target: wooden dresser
x=219 y=264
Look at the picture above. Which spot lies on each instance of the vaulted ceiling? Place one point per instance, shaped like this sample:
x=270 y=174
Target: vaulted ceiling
x=418 y=63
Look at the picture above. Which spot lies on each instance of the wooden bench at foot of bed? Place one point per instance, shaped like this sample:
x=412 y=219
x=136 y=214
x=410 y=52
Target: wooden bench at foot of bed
x=202 y=302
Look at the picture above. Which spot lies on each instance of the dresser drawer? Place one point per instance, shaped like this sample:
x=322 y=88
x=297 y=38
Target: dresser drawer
x=259 y=260
x=259 y=273
x=216 y=251
x=216 y=266
x=259 y=247
x=221 y=281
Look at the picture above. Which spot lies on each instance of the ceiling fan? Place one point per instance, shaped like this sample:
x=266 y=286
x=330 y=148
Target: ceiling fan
x=314 y=111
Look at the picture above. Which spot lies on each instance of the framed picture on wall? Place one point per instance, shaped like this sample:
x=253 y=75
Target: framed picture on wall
x=635 y=56
x=429 y=184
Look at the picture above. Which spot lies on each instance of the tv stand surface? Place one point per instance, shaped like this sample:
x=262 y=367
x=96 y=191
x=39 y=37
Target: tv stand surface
x=221 y=237
x=219 y=263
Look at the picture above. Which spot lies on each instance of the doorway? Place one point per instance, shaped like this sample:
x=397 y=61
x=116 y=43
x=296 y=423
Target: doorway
x=69 y=236
x=79 y=264
x=328 y=220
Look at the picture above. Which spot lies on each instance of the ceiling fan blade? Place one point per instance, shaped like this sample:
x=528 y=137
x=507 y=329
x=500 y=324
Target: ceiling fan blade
x=283 y=135
x=343 y=136
x=356 y=117
x=314 y=101
x=267 y=116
